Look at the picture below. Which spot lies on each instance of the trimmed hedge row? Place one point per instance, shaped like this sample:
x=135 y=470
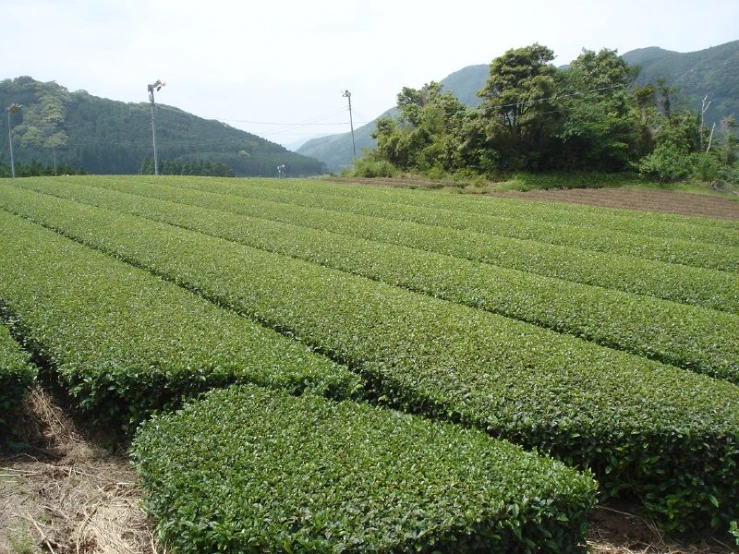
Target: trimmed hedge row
x=627 y=418
x=685 y=252
x=126 y=343
x=701 y=340
x=684 y=284
x=252 y=470
x=691 y=228
x=16 y=376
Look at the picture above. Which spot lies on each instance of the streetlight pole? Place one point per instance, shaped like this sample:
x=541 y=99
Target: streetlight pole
x=12 y=109
x=156 y=86
x=348 y=95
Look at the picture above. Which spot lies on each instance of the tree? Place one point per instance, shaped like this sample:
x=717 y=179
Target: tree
x=423 y=136
x=517 y=102
x=601 y=127
x=43 y=123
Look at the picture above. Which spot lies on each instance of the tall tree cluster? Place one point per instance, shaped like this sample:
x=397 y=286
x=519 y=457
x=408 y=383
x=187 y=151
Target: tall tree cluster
x=590 y=116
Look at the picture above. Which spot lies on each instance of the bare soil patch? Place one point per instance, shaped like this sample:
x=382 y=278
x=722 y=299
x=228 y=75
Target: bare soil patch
x=650 y=200
x=724 y=206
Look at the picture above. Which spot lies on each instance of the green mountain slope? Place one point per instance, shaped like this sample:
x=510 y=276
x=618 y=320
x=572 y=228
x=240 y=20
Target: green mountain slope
x=713 y=72
x=106 y=136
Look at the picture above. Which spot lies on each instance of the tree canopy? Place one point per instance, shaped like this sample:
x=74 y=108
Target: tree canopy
x=593 y=116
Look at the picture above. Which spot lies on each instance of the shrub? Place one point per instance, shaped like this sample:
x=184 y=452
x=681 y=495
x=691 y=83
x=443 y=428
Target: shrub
x=251 y=470
x=16 y=376
x=126 y=343
x=373 y=168
x=667 y=164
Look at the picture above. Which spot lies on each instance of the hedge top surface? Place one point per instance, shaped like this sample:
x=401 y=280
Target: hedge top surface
x=686 y=284
x=705 y=341
x=252 y=470
x=115 y=330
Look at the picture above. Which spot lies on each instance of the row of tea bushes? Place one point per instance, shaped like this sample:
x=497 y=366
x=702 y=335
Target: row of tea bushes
x=690 y=285
x=16 y=376
x=705 y=341
x=126 y=343
x=666 y=249
x=627 y=418
x=691 y=228
x=252 y=470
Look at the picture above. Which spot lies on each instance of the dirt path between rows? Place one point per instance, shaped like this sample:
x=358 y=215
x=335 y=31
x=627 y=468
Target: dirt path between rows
x=63 y=494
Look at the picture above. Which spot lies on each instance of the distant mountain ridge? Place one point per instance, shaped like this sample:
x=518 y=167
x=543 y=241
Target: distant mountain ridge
x=106 y=136
x=713 y=72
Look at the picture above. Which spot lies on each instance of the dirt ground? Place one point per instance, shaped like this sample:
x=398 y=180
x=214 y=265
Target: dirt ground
x=719 y=202
x=63 y=494
x=666 y=201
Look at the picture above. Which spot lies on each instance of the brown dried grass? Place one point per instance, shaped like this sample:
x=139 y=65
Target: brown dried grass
x=65 y=494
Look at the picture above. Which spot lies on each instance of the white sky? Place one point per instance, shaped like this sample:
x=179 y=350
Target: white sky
x=277 y=68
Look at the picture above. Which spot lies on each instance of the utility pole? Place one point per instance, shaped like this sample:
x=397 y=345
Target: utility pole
x=348 y=95
x=11 y=110
x=156 y=86
x=704 y=109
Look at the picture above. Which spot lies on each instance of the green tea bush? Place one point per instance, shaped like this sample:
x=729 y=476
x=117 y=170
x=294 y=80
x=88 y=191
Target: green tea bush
x=126 y=343
x=689 y=285
x=626 y=417
x=705 y=341
x=252 y=470
x=683 y=227
x=669 y=249
x=16 y=376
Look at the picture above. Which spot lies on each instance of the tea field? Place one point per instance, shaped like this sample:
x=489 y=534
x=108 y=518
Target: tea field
x=322 y=367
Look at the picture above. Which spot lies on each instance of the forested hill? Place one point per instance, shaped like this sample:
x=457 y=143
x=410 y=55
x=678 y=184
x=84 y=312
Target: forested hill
x=106 y=136
x=713 y=72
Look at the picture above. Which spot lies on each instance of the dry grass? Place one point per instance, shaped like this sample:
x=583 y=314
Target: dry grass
x=66 y=495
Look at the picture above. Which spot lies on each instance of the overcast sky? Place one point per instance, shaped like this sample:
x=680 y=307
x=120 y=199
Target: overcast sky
x=277 y=68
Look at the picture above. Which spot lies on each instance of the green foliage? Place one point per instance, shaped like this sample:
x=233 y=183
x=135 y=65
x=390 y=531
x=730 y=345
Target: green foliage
x=376 y=217
x=734 y=530
x=35 y=169
x=668 y=163
x=16 y=376
x=701 y=340
x=553 y=231
x=125 y=343
x=517 y=102
x=367 y=167
x=249 y=470
x=625 y=417
x=589 y=133
x=424 y=138
x=192 y=167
